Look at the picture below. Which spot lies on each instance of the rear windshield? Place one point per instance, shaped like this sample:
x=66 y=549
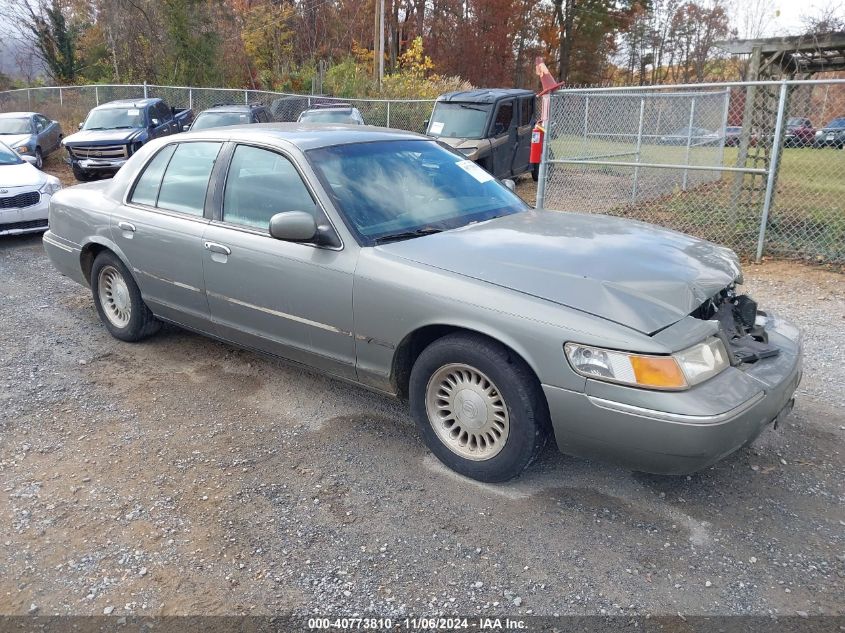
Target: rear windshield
x=220 y=119
x=326 y=116
x=840 y=122
x=459 y=120
x=15 y=126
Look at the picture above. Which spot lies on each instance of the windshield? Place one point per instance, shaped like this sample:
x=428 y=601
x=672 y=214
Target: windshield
x=840 y=122
x=8 y=157
x=15 y=126
x=459 y=120
x=795 y=122
x=389 y=188
x=114 y=118
x=219 y=119
x=326 y=116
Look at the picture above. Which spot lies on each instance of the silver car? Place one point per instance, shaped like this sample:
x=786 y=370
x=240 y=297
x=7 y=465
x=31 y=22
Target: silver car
x=30 y=134
x=383 y=258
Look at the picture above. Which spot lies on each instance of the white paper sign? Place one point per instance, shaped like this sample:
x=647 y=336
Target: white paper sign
x=474 y=170
x=133 y=112
x=436 y=127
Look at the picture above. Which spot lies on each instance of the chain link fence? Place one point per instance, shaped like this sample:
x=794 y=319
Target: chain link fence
x=757 y=166
x=70 y=105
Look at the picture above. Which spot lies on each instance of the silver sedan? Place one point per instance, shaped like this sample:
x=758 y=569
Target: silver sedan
x=30 y=134
x=382 y=258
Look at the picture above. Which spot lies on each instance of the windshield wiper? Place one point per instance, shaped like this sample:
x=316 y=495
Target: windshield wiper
x=406 y=235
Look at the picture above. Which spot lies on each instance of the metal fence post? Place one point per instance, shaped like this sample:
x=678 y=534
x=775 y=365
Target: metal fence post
x=639 y=148
x=689 y=141
x=29 y=97
x=145 y=89
x=190 y=98
x=774 y=165
x=61 y=98
x=97 y=94
x=542 y=172
x=388 y=114
x=246 y=97
x=585 y=144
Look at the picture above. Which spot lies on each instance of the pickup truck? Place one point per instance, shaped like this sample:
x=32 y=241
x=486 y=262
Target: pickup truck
x=112 y=132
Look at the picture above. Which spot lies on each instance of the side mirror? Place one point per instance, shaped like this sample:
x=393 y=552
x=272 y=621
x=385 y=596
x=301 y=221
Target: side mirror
x=154 y=122
x=30 y=159
x=79 y=127
x=293 y=226
x=425 y=123
x=185 y=128
x=510 y=184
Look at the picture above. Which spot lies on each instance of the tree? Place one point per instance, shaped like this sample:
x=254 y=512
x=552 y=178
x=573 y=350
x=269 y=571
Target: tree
x=55 y=38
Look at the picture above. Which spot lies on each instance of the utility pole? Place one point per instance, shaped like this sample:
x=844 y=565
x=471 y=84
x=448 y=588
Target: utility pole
x=375 y=38
x=381 y=43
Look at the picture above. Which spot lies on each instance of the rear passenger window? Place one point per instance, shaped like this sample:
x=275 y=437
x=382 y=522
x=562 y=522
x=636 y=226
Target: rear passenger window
x=185 y=180
x=526 y=111
x=146 y=189
x=504 y=116
x=261 y=184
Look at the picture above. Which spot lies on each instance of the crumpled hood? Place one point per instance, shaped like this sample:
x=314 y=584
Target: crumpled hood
x=14 y=139
x=635 y=274
x=102 y=137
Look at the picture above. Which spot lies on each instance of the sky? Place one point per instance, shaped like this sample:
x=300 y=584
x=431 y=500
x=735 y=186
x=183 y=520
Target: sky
x=790 y=12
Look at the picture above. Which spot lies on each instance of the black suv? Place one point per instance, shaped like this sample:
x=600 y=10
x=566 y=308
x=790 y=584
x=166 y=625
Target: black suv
x=222 y=114
x=491 y=127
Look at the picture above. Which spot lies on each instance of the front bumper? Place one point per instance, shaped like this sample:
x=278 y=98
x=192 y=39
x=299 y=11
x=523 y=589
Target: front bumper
x=31 y=219
x=679 y=432
x=99 y=165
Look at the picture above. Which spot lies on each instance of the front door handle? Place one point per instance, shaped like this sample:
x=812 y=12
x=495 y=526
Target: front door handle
x=126 y=226
x=214 y=247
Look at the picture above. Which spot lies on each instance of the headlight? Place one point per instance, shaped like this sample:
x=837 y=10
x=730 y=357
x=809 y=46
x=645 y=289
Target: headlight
x=22 y=149
x=50 y=186
x=678 y=371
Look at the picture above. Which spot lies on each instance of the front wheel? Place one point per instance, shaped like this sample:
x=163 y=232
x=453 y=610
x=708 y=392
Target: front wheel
x=479 y=408
x=39 y=158
x=118 y=300
x=80 y=174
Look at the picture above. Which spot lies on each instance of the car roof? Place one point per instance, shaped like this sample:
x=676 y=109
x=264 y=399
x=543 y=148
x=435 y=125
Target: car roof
x=16 y=115
x=485 y=95
x=336 y=107
x=123 y=103
x=305 y=136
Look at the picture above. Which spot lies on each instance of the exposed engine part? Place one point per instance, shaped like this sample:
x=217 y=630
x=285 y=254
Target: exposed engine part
x=741 y=328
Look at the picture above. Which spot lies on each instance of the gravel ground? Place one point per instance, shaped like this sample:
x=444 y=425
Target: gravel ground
x=184 y=476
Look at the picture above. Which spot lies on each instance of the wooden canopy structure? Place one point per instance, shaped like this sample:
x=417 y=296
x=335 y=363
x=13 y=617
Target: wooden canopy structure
x=798 y=57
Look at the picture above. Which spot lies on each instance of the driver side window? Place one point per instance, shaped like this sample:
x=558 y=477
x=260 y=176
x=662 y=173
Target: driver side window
x=261 y=184
x=504 y=117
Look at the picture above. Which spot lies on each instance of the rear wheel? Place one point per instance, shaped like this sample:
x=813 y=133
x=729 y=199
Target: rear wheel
x=478 y=407
x=39 y=158
x=118 y=300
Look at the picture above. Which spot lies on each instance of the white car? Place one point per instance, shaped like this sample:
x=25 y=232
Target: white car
x=25 y=194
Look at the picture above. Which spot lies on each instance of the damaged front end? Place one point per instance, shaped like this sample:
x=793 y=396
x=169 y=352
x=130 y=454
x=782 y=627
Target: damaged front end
x=742 y=326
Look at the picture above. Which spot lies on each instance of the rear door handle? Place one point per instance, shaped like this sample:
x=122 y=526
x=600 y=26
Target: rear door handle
x=126 y=226
x=214 y=247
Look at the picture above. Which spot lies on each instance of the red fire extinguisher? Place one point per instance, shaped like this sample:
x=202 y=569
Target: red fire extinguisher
x=537 y=143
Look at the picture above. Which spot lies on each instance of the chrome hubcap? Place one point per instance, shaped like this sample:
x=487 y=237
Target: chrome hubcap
x=114 y=296
x=467 y=411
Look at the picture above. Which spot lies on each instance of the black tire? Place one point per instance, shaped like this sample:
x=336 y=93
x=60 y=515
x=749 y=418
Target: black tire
x=535 y=172
x=141 y=322
x=518 y=388
x=80 y=174
x=39 y=158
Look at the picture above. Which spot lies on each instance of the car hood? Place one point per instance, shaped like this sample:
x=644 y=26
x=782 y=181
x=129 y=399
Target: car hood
x=104 y=137
x=635 y=274
x=22 y=175
x=15 y=139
